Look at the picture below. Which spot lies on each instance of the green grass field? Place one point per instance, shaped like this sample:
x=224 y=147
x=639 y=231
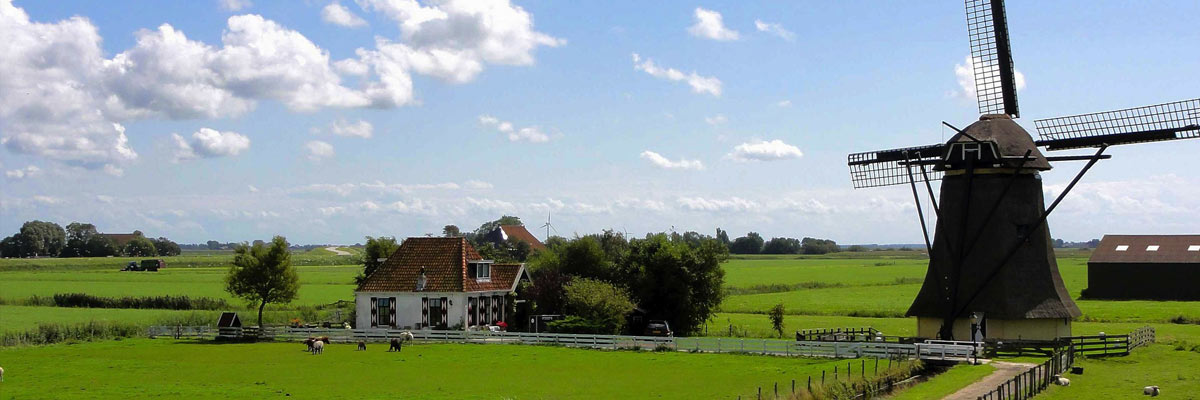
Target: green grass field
x=946 y=383
x=161 y=368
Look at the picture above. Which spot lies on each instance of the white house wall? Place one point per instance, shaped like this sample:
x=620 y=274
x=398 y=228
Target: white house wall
x=408 y=307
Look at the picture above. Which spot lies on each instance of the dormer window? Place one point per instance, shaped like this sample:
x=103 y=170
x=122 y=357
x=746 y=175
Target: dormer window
x=1153 y=247
x=1194 y=247
x=1122 y=247
x=483 y=271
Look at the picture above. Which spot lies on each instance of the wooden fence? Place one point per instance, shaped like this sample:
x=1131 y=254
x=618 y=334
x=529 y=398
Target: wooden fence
x=925 y=351
x=1034 y=380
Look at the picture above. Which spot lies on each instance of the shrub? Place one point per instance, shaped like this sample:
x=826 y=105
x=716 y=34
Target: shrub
x=156 y=302
x=575 y=324
x=55 y=333
x=601 y=304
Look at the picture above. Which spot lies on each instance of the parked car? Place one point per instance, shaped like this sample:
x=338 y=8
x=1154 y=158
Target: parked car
x=658 y=327
x=145 y=265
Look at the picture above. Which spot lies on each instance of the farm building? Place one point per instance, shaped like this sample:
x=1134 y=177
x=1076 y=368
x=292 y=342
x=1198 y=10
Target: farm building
x=1158 y=267
x=502 y=233
x=436 y=283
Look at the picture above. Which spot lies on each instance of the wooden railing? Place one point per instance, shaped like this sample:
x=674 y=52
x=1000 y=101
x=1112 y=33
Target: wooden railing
x=1034 y=380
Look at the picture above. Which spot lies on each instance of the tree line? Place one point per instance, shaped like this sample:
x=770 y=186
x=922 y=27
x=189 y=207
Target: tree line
x=48 y=239
x=753 y=243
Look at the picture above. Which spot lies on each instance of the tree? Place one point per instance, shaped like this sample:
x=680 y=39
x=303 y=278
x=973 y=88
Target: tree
x=518 y=250
x=583 y=257
x=78 y=236
x=451 y=231
x=263 y=274
x=818 y=246
x=213 y=245
x=781 y=245
x=10 y=246
x=723 y=237
x=675 y=282
x=140 y=247
x=600 y=303
x=102 y=246
x=377 y=250
x=547 y=291
x=39 y=238
x=776 y=316
x=166 y=247
x=752 y=243
x=491 y=226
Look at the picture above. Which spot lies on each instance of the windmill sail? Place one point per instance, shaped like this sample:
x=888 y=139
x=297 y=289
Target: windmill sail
x=891 y=167
x=995 y=83
x=1168 y=121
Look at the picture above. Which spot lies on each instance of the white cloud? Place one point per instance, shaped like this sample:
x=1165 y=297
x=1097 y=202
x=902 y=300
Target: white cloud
x=473 y=184
x=784 y=103
x=703 y=204
x=47 y=200
x=338 y=14
x=252 y=188
x=699 y=84
x=965 y=74
x=716 y=119
x=235 y=5
x=22 y=173
x=209 y=143
x=318 y=150
x=104 y=199
x=662 y=162
x=710 y=25
x=532 y=134
x=774 y=29
x=764 y=151
x=360 y=128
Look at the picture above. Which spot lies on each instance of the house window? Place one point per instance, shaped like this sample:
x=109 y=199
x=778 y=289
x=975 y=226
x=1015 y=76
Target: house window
x=383 y=306
x=435 y=312
x=1123 y=247
x=1153 y=247
x=1194 y=247
x=483 y=271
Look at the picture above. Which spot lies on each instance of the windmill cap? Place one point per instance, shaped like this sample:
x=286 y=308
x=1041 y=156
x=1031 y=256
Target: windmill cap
x=1012 y=141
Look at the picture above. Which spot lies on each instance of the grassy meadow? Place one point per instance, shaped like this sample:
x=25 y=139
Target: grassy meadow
x=190 y=369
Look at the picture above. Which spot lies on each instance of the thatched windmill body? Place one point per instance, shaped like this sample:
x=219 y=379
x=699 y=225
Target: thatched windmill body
x=992 y=272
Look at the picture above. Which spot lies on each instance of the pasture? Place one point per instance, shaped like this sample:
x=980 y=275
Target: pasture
x=191 y=369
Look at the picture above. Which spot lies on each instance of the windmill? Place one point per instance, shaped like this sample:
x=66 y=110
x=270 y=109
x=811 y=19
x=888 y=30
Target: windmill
x=548 y=226
x=992 y=271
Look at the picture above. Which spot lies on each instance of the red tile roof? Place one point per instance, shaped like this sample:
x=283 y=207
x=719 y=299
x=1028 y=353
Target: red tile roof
x=520 y=233
x=445 y=263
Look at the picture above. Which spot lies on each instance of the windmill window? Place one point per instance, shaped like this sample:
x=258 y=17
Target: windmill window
x=1153 y=247
x=1122 y=247
x=1194 y=247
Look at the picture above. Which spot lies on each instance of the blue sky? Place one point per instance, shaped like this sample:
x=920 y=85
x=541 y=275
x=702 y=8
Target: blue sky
x=245 y=119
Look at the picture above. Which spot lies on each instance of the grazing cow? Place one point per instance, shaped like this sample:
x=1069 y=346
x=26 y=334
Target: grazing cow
x=1150 y=391
x=362 y=345
x=395 y=345
x=1060 y=381
x=318 y=347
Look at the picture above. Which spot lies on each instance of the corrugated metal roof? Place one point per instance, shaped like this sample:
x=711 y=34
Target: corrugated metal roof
x=1147 y=249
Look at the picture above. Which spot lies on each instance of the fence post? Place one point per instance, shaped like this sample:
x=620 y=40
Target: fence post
x=862 y=370
x=810 y=384
x=876 y=365
x=777 y=390
x=835 y=374
x=793 y=386
x=760 y=393
x=822 y=378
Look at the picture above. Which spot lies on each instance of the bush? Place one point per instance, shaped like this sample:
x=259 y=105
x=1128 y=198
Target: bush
x=155 y=302
x=600 y=303
x=55 y=333
x=575 y=324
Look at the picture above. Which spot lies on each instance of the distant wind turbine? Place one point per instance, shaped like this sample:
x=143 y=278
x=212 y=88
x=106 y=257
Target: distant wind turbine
x=548 y=226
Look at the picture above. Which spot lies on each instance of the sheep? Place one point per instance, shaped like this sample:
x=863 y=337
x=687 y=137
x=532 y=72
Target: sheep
x=309 y=343
x=318 y=347
x=396 y=344
x=1060 y=381
x=1150 y=391
x=406 y=336
x=1 y=374
x=362 y=345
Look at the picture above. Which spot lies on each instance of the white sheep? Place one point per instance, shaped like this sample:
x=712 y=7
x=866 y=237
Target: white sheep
x=1 y=374
x=1150 y=391
x=1060 y=381
x=318 y=347
x=406 y=336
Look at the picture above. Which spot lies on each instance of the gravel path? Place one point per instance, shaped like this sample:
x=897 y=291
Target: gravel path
x=338 y=252
x=1004 y=371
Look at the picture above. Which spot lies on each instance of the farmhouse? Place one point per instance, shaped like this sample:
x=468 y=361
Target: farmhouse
x=436 y=283
x=1155 y=267
x=502 y=233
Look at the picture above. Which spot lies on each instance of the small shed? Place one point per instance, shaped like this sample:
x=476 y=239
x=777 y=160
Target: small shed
x=1151 y=267
x=229 y=326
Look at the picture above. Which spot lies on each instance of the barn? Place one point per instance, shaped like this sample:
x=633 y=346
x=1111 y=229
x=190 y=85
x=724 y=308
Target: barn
x=1151 y=267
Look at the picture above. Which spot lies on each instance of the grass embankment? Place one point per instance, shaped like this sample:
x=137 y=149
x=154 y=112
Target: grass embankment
x=946 y=383
x=188 y=259
x=1175 y=372
x=119 y=369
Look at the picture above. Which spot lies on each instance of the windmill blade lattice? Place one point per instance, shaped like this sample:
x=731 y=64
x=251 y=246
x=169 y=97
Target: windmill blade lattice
x=891 y=167
x=1168 y=121
x=991 y=56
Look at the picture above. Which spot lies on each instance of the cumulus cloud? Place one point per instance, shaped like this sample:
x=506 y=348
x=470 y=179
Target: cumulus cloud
x=318 y=150
x=360 y=128
x=783 y=103
x=965 y=74
x=716 y=119
x=699 y=84
x=235 y=5
x=705 y=204
x=532 y=134
x=209 y=143
x=64 y=100
x=774 y=29
x=252 y=188
x=764 y=151
x=662 y=162
x=22 y=173
x=338 y=14
x=710 y=25
x=474 y=184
